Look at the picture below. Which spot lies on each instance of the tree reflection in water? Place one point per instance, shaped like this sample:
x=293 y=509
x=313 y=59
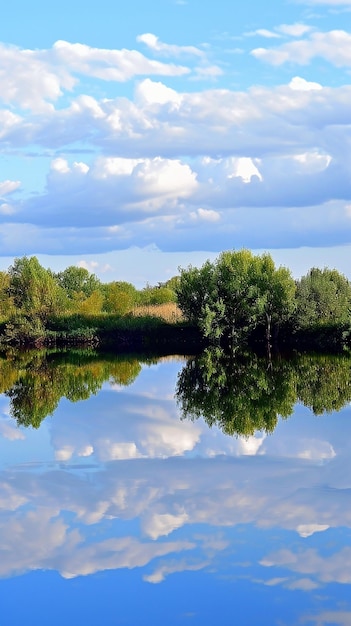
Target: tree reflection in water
x=35 y=381
x=244 y=394
x=241 y=394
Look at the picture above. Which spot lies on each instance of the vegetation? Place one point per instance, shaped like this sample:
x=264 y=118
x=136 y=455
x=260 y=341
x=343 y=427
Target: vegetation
x=237 y=393
x=228 y=299
x=241 y=395
x=240 y=299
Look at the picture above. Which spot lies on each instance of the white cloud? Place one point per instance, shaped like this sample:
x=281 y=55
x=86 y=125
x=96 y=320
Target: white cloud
x=306 y=530
x=333 y=46
x=9 y=186
x=206 y=215
x=333 y=568
x=294 y=30
x=300 y=84
x=33 y=79
x=263 y=32
x=172 y=567
x=149 y=92
x=9 y=431
x=118 y=65
x=154 y=43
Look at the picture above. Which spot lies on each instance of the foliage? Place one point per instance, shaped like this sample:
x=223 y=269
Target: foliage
x=156 y=295
x=239 y=299
x=229 y=298
x=120 y=297
x=7 y=307
x=78 y=280
x=323 y=298
x=34 y=290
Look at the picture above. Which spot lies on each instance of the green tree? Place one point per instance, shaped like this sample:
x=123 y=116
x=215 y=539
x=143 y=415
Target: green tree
x=7 y=307
x=36 y=382
x=34 y=290
x=120 y=297
x=231 y=297
x=323 y=299
x=78 y=280
x=150 y=296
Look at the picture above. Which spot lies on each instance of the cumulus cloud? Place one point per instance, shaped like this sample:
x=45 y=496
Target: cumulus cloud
x=33 y=79
x=170 y=168
x=333 y=46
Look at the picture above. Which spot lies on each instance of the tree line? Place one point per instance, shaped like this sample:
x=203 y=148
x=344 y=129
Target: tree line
x=238 y=299
x=242 y=297
x=34 y=299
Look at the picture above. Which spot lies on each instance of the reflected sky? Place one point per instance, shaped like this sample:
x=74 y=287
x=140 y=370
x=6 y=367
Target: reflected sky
x=116 y=511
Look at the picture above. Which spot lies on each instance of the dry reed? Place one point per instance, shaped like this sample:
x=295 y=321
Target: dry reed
x=169 y=312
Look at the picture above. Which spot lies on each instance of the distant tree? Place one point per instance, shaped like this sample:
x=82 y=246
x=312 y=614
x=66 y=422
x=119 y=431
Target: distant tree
x=150 y=296
x=323 y=298
x=120 y=297
x=78 y=280
x=91 y=305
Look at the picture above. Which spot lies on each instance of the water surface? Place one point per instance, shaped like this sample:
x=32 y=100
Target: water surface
x=152 y=491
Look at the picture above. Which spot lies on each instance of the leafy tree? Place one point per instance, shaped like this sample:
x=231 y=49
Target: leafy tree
x=7 y=307
x=323 y=298
x=324 y=383
x=228 y=299
x=34 y=290
x=120 y=297
x=92 y=305
x=150 y=296
x=78 y=280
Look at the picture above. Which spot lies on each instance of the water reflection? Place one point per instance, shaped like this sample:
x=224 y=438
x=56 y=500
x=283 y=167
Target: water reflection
x=123 y=494
x=35 y=381
x=241 y=394
x=244 y=394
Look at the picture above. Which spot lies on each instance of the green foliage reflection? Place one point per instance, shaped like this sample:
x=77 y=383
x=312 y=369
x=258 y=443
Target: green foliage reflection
x=36 y=381
x=244 y=394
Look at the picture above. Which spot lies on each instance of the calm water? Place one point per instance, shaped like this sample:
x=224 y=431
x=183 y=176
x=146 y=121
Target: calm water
x=174 y=491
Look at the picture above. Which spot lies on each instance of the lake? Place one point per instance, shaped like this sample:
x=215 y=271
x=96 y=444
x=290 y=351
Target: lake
x=174 y=490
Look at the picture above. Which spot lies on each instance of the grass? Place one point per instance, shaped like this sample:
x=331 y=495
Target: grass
x=168 y=312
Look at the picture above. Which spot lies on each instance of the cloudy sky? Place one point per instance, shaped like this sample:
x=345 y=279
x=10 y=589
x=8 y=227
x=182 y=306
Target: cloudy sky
x=139 y=136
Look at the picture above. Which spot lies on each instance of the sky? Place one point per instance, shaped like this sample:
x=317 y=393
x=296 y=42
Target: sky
x=142 y=136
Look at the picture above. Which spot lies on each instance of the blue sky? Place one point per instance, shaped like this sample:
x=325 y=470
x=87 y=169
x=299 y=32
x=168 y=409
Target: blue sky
x=139 y=136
